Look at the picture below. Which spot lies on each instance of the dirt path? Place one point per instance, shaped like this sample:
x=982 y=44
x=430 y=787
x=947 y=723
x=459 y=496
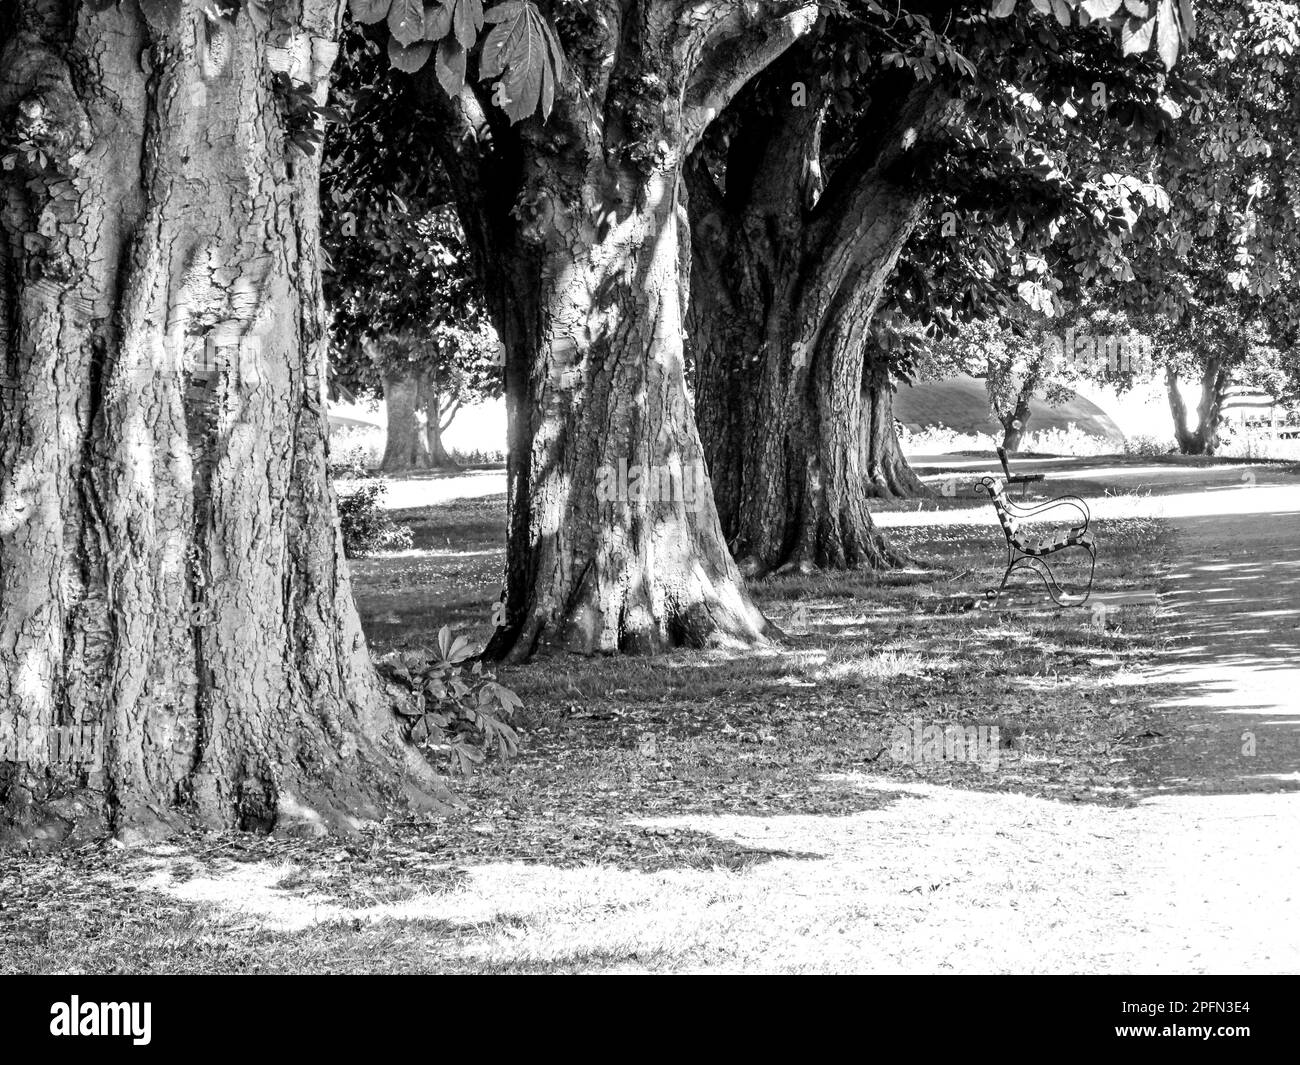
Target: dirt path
x=1233 y=597
x=1216 y=847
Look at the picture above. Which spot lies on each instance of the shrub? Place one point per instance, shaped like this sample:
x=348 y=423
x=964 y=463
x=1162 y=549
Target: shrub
x=1068 y=441
x=1252 y=442
x=939 y=439
x=366 y=526
x=477 y=456
x=455 y=714
x=349 y=463
x=355 y=450
x=1148 y=446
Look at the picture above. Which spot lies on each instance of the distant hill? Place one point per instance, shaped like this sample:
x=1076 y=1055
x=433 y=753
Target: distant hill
x=962 y=404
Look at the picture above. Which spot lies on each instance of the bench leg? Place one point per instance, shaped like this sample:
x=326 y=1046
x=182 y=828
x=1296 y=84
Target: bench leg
x=1038 y=565
x=991 y=596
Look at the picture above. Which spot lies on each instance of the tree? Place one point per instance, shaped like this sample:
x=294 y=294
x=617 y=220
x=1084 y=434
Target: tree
x=789 y=268
x=1218 y=347
x=408 y=325
x=177 y=635
x=568 y=181
x=576 y=224
x=1029 y=355
x=408 y=321
x=1219 y=284
x=809 y=197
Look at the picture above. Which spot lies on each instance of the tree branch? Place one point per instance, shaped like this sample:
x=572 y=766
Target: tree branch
x=450 y=412
x=915 y=114
x=737 y=44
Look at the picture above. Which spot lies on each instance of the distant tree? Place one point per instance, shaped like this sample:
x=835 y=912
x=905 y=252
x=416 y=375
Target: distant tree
x=1223 y=349
x=1027 y=357
x=1220 y=281
x=408 y=322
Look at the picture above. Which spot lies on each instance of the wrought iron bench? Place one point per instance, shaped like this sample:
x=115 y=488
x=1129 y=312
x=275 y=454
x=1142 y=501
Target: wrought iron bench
x=1022 y=479
x=1027 y=552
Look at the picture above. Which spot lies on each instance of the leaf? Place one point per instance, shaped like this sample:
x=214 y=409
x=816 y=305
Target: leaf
x=467 y=21
x=1100 y=9
x=406 y=22
x=1062 y=11
x=410 y=707
x=521 y=50
x=1136 y=37
x=449 y=64
x=437 y=20
x=411 y=59
x=1138 y=8
x=1169 y=37
x=1002 y=8
x=1043 y=7
x=370 y=11
x=508 y=18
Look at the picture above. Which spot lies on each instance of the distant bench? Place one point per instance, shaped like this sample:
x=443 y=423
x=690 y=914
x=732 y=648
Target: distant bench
x=1026 y=552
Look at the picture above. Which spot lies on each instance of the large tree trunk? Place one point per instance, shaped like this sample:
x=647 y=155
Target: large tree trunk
x=826 y=519
x=1202 y=437
x=799 y=422
x=793 y=410
x=725 y=332
x=178 y=642
x=578 y=229
x=726 y=328
x=600 y=560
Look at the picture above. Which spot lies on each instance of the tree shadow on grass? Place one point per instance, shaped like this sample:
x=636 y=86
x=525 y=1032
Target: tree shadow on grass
x=1229 y=679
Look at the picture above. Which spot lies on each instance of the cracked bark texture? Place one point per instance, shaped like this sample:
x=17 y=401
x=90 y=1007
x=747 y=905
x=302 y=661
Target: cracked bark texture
x=795 y=410
x=579 y=232
x=178 y=642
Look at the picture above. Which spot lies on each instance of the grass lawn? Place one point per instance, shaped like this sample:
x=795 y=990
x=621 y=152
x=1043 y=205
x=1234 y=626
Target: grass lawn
x=708 y=810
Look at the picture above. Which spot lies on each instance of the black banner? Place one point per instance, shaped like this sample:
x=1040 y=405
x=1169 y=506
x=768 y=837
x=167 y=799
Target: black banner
x=215 y=1015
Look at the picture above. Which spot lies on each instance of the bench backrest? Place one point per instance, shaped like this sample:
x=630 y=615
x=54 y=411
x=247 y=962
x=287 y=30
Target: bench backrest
x=1002 y=458
x=998 y=494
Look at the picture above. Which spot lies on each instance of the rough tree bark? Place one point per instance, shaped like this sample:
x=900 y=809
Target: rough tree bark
x=579 y=232
x=178 y=642
x=888 y=470
x=794 y=407
x=1201 y=438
